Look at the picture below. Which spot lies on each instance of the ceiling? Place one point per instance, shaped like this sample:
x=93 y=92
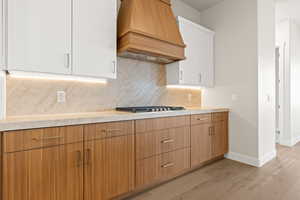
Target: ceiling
x=202 y=4
x=288 y=9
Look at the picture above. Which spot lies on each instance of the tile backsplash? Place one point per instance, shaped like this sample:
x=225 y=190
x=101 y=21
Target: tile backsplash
x=138 y=84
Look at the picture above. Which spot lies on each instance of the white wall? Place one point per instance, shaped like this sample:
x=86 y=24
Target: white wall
x=182 y=9
x=2 y=94
x=266 y=81
x=295 y=82
x=236 y=80
x=245 y=53
x=287 y=9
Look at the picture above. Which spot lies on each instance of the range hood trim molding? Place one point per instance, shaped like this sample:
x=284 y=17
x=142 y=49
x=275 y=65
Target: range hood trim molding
x=164 y=1
x=150 y=36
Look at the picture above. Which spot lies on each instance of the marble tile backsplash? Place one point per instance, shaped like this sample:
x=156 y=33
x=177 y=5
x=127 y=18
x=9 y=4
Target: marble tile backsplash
x=138 y=84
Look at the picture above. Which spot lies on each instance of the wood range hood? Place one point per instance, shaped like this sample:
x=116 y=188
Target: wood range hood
x=147 y=30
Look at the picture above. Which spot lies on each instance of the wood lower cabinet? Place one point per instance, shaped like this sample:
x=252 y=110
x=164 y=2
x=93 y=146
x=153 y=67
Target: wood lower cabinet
x=157 y=142
x=62 y=164
x=209 y=140
x=107 y=160
x=164 y=166
x=156 y=124
x=54 y=173
x=162 y=149
x=220 y=138
x=109 y=170
x=40 y=138
x=201 y=144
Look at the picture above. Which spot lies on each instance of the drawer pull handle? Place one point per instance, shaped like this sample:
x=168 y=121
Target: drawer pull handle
x=202 y=119
x=167 y=141
x=99 y=138
x=168 y=165
x=79 y=158
x=87 y=157
x=211 y=131
x=48 y=138
x=111 y=130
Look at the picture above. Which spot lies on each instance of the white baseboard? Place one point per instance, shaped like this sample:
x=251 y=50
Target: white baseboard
x=267 y=158
x=296 y=140
x=243 y=159
x=290 y=143
x=249 y=160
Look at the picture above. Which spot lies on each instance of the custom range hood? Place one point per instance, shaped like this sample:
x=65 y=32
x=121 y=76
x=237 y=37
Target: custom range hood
x=147 y=30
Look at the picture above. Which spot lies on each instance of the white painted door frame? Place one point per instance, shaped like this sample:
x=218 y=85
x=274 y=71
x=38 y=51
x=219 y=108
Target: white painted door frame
x=281 y=104
x=283 y=95
x=278 y=93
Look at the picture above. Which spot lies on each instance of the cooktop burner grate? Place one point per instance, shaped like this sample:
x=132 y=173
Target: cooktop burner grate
x=149 y=109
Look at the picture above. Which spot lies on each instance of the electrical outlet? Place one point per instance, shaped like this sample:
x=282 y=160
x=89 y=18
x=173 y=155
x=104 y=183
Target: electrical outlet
x=61 y=96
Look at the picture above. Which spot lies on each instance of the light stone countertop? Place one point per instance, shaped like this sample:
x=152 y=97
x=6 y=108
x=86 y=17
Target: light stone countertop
x=44 y=121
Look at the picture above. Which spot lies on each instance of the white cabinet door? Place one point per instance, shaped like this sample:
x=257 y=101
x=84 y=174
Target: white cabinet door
x=190 y=67
x=94 y=50
x=205 y=54
x=198 y=67
x=39 y=35
x=2 y=35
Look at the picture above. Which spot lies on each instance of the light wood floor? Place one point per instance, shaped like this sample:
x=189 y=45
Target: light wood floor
x=229 y=180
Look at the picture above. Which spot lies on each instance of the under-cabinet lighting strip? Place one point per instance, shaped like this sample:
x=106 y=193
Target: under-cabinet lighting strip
x=33 y=75
x=184 y=87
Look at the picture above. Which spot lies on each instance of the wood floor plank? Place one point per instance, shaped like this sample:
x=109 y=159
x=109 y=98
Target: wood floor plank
x=230 y=180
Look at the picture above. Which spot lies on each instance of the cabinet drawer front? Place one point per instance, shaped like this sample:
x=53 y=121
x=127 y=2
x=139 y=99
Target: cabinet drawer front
x=222 y=116
x=108 y=130
x=157 y=142
x=37 y=138
x=162 y=167
x=147 y=125
x=201 y=119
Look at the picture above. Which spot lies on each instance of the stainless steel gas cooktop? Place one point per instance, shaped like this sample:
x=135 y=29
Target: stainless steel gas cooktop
x=149 y=109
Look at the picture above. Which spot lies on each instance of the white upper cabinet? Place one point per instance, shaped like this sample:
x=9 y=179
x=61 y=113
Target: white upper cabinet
x=198 y=67
x=39 y=35
x=2 y=36
x=94 y=44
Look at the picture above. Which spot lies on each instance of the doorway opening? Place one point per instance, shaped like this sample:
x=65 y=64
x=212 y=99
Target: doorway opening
x=280 y=54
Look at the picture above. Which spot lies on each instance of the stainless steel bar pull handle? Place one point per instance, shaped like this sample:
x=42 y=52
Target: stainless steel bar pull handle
x=202 y=119
x=67 y=60
x=167 y=141
x=200 y=78
x=114 y=70
x=79 y=158
x=210 y=131
x=87 y=157
x=111 y=130
x=48 y=138
x=181 y=75
x=168 y=165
